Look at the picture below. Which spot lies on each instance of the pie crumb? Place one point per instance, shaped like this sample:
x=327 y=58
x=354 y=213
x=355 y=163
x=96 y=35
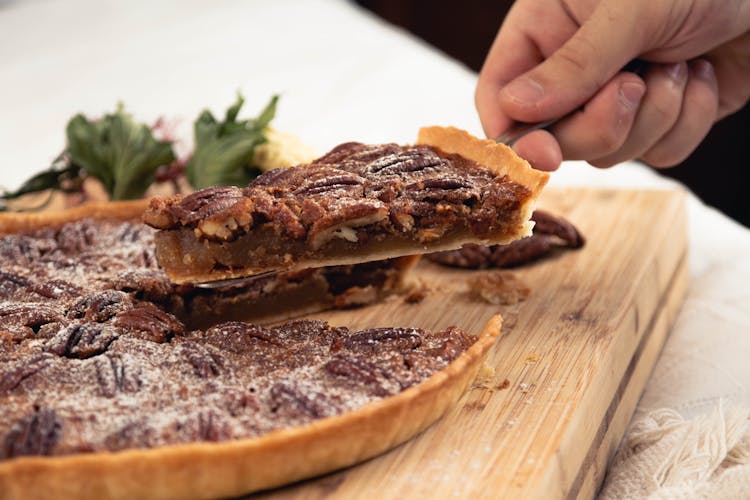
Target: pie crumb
x=417 y=291
x=484 y=378
x=532 y=358
x=498 y=287
x=416 y=296
x=486 y=371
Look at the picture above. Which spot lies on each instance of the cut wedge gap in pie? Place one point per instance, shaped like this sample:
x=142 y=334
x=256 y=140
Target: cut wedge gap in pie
x=358 y=203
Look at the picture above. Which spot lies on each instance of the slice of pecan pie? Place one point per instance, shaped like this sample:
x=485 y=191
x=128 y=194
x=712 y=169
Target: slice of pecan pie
x=105 y=392
x=115 y=251
x=357 y=203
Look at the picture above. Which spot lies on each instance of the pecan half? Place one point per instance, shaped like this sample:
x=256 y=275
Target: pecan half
x=399 y=163
x=34 y=434
x=363 y=372
x=11 y=284
x=12 y=373
x=153 y=323
x=83 y=340
x=403 y=338
x=100 y=306
x=55 y=289
x=115 y=375
x=288 y=400
x=26 y=316
x=207 y=425
x=206 y=362
x=329 y=181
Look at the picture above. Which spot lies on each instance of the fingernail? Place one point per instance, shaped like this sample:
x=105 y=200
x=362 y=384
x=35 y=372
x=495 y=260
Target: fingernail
x=524 y=91
x=702 y=69
x=677 y=72
x=631 y=93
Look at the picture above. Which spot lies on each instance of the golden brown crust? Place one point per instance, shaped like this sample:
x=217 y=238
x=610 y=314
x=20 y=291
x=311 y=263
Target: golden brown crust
x=116 y=210
x=211 y=470
x=498 y=157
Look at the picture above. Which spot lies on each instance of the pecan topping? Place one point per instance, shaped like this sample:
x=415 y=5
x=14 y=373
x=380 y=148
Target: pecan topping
x=114 y=375
x=73 y=238
x=455 y=344
x=289 y=400
x=324 y=182
x=83 y=340
x=35 y=434
x=26 y=317
x=206 y=362
x=413 y=161
x=100 y=306
x=388 y=189
x=11 y=284
x=207 y=425
x=12 y=373
x=234 y=336
x=133 y=434
x=358 y=370
x=144 y=284
x=403 y=338
x=55 y=289
x=22 y=249
x=157 y=325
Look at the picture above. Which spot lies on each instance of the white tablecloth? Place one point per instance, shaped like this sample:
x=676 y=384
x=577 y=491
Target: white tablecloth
x=342 y=74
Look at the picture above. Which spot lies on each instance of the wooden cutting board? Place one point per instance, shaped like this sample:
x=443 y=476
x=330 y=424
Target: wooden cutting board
x=576 y=356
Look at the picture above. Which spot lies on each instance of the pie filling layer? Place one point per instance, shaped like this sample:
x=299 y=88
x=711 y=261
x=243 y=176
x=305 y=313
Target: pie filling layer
x=92 y=357
x=356 y=202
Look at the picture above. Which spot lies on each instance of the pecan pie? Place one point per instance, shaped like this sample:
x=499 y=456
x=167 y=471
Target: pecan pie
x=357 y=203
x=105 y=392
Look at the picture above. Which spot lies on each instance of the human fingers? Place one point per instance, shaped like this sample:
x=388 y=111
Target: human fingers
x=540 y=148
x=511 y=54
x=602 y=126
x=657 y=114
x=531 y=31
x=730 y=62
x=608 y=39
x=699 y=110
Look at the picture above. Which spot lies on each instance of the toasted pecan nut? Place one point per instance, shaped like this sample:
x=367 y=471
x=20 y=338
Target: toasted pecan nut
x=551 y=233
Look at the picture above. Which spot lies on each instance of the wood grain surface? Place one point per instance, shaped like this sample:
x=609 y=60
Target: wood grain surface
x=566 y=374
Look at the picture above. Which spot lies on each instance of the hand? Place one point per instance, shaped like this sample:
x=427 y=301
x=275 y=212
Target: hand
x=552 y=57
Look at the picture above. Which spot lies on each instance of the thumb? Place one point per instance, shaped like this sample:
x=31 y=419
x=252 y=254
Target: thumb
x=572 y=74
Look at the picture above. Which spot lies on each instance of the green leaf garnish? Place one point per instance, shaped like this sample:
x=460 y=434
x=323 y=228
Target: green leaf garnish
x=224 y=150
x=121 y=153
